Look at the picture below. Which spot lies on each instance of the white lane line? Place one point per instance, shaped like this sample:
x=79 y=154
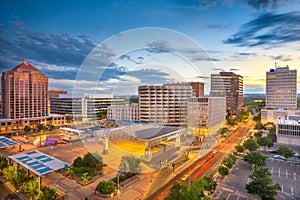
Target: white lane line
x=286 y=174
x=294 y=177
x=219 y=194
x=282 y=188
x=284 y=163
x=292 y=190
x=238 y=198
x=279 y=172
x=228 y=196
x=248 y=180
x=272 y=170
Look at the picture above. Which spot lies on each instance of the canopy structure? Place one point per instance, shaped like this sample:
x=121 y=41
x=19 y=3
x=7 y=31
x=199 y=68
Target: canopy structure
x=6 y=142
x=38 y=162
x=71 y=130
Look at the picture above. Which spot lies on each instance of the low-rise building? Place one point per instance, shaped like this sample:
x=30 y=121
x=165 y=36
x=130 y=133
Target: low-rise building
x=206 y=115
x=271 y=115
x=288 y=130
x=81 y=107
x=128 y=112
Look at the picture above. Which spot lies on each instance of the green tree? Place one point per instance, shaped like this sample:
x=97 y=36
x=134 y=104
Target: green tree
x=78 y=162
x=223 y=170
x=231 y=120
x=175 y=193
x=255 y=158
x=40 y=127
x=30 y=188
x=258 y=134
x=9 y=171
x=51 y=127
x=133 y=162
x=259 y=126
x=27 y=129
x=47 y=193
x=229 y=161
x=272 y=136
x=106 y=187
x=239 y=148
x=90 y=161
x=3 y=162
x=209 y=185
x=224 y=130
x=265 y=142
x=262 y=184
x=19 y=178
x=251 y=145
x=285 y=151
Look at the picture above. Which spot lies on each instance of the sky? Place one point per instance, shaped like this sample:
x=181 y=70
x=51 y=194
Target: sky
x=107 y=46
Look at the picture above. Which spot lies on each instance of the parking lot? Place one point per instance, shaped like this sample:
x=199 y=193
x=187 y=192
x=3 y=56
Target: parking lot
x=287 y=174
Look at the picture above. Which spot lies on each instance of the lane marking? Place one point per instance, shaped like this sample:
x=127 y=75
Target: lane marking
x=279 y=172
x=286 y=174
x=248 y=180
x=272 y=170
x=228 y=196
x=282 y=188
x=292 y=190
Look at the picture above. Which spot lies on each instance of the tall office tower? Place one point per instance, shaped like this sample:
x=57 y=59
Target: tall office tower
x=281 y=88
x=166 y=103
x=24 y=92
x=229 y=85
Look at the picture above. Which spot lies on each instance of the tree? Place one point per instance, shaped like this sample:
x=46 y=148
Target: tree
x=259 y=126
x=19 y=178
x=9 y=171
x=223 y=170
x=224 y=130
x=265 y=142
x=258 y=134
x=40 y=127
x=133 y=162
x=51 y=127
x=255 y=158
x=272 y=136
x=209 y=185
x=232 y=121
x=3 y=163
x=175 y=193
x=78 y=162
x=229 y=161
x=30 y=188
x=262 y=184
x=251 y=145
x=90 y=161
x=285 y=151
x=106 y=187
x=47 y=193
x=27 y=129
x=239 y=148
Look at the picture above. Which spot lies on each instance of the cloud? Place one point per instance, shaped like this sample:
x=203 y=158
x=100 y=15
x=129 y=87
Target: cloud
x=233 y=69
x=283 y=57
x=262 y=4
x=247 y=54
x=62 y=49
x=268 y=30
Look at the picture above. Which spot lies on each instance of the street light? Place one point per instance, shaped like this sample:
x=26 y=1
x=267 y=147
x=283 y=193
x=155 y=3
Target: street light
x=52 y=147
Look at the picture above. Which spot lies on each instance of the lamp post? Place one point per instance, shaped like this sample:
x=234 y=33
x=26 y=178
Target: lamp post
x=52 y=148
x=70 y=146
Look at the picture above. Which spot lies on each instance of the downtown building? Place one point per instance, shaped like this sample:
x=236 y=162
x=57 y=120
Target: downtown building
x=281 y=94
x=24 y=99
x=167 y=103
x=229 y=85
x=83 y=107
x=127 y=112
x=288 y=130
x=206 y=115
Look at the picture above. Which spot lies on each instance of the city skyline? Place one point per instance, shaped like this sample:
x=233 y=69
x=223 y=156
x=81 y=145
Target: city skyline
x=56 y=38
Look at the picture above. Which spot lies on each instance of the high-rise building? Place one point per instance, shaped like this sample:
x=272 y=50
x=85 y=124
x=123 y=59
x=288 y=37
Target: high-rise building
x=229 y=85
x=281 y=88
x=206 y=115
x=24 y=92
x=166 y=103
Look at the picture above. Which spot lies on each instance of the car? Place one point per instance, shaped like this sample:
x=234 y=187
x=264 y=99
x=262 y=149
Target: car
x=278 y=157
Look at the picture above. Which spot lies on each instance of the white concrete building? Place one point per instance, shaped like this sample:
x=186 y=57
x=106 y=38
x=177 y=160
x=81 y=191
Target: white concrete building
x=288 y=130
x=128 y=112
x=270 y=116
x=206 y=115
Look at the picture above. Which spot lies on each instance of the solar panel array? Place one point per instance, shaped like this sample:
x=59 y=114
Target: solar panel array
x=6 y=142
x=38 y=162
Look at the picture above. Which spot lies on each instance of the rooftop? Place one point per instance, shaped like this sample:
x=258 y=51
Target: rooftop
x=155 y=132
x=6 y=142
x=25 y=66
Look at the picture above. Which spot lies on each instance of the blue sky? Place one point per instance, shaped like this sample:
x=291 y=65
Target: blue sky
x=243 y=36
